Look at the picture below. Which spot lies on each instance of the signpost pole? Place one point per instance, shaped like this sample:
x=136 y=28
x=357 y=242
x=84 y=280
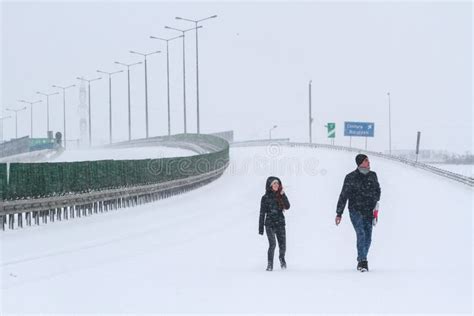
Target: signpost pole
x=418 y=136
x=331 y=127
x=359 y=129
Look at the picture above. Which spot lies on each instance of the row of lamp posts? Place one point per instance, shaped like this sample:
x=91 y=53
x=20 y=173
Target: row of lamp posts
x=110 y=74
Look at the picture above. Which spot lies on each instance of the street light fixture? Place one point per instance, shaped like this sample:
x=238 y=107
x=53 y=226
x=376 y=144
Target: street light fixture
x=110 y=74
x=64 y=109
x=270 y=132
x=184 y=69
x=146 y=83
x=167 y=40
x=31 y=112
x=47 y=95
x=16 y=118
x=89 y=94
x=129 y=106
x=197 y=61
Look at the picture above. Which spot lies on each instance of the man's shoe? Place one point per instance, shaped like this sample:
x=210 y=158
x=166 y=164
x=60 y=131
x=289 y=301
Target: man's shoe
x=283 y=263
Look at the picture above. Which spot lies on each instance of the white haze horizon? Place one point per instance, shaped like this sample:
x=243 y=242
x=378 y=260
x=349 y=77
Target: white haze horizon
x=255 y=62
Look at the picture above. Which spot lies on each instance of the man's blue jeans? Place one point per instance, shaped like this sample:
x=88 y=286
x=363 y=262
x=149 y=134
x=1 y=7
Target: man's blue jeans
x=363 y=229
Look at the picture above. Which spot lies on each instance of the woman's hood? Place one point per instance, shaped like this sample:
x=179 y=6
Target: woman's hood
x=270 y=179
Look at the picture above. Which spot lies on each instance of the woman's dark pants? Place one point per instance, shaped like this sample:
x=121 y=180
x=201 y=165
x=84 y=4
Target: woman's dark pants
x=276 y=232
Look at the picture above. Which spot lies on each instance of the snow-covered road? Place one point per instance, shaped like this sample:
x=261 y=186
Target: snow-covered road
x=201 y=252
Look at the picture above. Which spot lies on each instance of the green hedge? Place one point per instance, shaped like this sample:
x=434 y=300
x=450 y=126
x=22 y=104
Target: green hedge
x=3 y=180
x=33 y=180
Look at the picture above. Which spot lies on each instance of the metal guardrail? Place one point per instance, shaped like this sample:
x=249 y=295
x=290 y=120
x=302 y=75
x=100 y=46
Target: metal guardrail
x=441 y=172
x=78 y=205
x=83 y=204
x=34 y=205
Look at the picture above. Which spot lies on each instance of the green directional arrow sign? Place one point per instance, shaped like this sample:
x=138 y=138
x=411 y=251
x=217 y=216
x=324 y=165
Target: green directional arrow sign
x=331 y=130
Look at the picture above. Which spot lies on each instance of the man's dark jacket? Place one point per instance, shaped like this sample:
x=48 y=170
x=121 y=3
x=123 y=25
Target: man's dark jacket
x=362 y=191
x=271 y=214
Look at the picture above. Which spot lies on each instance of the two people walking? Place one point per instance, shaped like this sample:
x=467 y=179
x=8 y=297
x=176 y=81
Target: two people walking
x=361 y=188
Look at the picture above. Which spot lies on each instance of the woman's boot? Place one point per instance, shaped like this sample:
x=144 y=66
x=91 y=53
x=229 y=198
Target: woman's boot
x=270 y=266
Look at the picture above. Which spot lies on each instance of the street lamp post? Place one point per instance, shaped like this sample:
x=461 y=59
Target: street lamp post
x=110 y=74
x=89 y=95
x=270 y=132
x=167 y=40
x=31 y=113
x=129 y=106
x=184 y=70
x=1 y=126
x=197 y=62
x=146 y=84
x=389 y=125
x=64 y=109
x=47 y=95
x=16 y=118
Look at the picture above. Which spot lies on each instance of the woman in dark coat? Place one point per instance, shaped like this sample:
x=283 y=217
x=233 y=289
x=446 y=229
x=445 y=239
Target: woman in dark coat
x=272 y=205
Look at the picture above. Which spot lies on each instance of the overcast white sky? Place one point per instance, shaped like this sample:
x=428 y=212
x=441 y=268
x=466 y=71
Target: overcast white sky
x=256 y=60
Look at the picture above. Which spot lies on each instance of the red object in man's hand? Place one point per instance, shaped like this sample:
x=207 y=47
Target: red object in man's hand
x=376 y=217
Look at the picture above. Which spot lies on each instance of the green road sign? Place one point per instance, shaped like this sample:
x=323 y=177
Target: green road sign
x=331 y=130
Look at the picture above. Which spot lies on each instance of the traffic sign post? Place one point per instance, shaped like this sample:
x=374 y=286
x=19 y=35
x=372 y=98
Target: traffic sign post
x=331 y=130
x=359 y=129
x=331 y=127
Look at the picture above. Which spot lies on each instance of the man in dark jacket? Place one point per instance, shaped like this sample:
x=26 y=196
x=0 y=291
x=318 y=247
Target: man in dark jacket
x=361 y=187
x=272 y=205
